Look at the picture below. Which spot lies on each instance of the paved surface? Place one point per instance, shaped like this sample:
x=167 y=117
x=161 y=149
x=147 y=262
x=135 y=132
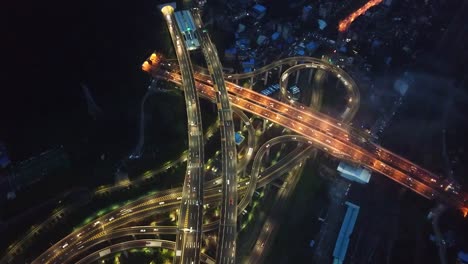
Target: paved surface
x=188 y=238
x=228 y=221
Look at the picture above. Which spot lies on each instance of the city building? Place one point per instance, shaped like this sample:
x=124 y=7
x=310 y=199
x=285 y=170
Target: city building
x=353 y=173
x=258 y=11
x=462 y=257
x=239 y=138
x=261 y=40
x=243 y=43
x=248 y=65
x=275 y=36
x=284 y=29
x=321 y=24
x=341 y=245
x=312 y=46
x=295 y=91
x=230 y=54
x=325 y=9
x=306 y=10
x=240 y=28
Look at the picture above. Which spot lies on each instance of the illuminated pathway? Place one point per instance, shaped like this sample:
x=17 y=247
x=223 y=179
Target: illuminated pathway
x=143 y=243
x=188 y=239
x=345 y=23
x=228 y=223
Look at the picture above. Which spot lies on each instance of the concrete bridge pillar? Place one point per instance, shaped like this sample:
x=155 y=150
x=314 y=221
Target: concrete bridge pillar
x=311 y=71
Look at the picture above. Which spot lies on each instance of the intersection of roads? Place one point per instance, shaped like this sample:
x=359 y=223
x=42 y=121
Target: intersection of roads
x=312 y=128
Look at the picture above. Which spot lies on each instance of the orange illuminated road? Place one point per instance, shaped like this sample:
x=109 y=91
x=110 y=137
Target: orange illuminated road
x=301 y=121
x=345 y=23
x=336 y=129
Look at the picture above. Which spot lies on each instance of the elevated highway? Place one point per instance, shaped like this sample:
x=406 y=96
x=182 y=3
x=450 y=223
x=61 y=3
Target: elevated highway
x=228 y=223
x=188 y=239
x=319 y=132
x=330 y=126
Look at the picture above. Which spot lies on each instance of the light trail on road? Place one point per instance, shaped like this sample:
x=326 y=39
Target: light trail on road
x=345 y=23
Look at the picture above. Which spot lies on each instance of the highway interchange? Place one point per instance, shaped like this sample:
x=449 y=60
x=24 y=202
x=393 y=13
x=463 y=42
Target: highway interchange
x=320 y=131
x=336 y=139
x=98 y=230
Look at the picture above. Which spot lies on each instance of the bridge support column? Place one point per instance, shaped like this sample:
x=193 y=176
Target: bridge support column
x=264 y=126
x=311 y=71
x=251 y=82
x=298 y=73
x=242 y=125
x=283 y=145
x=266 y=79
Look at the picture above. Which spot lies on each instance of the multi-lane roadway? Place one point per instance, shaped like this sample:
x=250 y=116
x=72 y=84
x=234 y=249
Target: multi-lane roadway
x=188 y=239
x=228 y=221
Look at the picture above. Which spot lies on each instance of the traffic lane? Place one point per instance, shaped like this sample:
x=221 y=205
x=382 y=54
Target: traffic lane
x=194 y=115
x=228 y=149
